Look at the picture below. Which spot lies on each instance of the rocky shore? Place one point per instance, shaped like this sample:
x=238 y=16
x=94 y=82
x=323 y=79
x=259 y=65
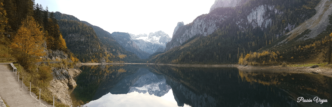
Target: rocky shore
x=63 y=84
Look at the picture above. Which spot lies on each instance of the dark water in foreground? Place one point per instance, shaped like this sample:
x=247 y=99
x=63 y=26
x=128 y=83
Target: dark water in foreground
x=164 y=86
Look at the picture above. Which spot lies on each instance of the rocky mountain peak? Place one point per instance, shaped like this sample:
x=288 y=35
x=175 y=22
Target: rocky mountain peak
x=227 y=3
x=180 y=24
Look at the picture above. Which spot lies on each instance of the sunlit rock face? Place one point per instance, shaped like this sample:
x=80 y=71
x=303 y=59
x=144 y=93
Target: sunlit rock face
x=261 y=16
x=203 y=25
x=180 y=24
x=226 y=3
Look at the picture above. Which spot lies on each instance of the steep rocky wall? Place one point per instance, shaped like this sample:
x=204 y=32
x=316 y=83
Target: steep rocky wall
x=202 y=26
x=63 y=83
x=56 y=54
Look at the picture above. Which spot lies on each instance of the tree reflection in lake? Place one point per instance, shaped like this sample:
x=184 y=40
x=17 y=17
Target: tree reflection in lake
x=197 y=87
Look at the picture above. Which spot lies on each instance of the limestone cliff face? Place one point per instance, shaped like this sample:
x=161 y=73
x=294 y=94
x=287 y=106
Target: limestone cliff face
x=207 y=24
x=241 y=28
x=258 y=14
x=203 y=25
x=63 y=83
x=56 y=54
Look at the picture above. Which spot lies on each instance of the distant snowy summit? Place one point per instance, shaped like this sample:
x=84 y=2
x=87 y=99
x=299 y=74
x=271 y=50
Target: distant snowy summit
x=158 y=37
x=154 y=42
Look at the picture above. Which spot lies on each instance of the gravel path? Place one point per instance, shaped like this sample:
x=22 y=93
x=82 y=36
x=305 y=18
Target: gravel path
x=12 y=92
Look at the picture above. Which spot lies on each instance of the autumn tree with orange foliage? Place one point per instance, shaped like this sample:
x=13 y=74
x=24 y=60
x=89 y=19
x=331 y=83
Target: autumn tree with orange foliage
x=29 y=39
x=122 y=56
x=27 y=44
x=62 y=43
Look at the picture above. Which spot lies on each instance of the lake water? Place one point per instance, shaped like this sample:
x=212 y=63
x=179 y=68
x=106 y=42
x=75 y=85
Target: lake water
x=165 y=86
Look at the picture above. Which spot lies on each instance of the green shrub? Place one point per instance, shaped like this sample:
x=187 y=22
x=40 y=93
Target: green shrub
x=45 y=74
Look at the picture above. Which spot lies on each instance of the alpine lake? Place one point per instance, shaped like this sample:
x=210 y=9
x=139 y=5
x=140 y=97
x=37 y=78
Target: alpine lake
x=169 y=86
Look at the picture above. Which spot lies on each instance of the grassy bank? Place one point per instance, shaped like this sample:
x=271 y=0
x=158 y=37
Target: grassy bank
x=39 y=75
x=37 y=84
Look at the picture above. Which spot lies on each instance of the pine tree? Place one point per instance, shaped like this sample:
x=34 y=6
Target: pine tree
x=10 y=10
x=3 y=19
x=45 y=18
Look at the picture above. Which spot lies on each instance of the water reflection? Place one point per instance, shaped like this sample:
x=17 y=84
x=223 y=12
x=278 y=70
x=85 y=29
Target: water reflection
x=134 y=99
x=143 y=86
x=150 y=83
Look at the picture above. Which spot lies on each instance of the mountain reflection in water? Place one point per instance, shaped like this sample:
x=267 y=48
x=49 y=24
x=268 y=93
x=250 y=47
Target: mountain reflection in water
x=158 y=86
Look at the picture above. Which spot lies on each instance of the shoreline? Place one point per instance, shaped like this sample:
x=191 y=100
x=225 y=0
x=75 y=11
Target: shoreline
x=319 y=70
x=159 y=64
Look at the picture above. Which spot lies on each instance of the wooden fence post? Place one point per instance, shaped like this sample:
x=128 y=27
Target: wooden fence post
x=329 y=53
x=39 y=97
x=30 y=88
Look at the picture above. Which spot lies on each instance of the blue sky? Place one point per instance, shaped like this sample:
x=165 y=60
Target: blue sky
x=132 y=16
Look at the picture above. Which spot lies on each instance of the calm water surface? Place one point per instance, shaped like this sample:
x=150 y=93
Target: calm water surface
x=165 y=86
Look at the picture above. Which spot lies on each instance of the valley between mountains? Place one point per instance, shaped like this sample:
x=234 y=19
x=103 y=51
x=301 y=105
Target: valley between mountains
x=49 y=47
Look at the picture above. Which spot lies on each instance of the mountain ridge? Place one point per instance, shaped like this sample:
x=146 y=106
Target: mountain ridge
x=109 y=49
x=228 y=33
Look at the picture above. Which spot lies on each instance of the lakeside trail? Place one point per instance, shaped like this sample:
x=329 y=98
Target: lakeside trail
x=12 y=92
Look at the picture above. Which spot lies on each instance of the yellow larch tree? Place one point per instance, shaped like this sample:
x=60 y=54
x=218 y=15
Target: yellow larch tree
x=29 y=38
x=62 y=43
x=121 y=56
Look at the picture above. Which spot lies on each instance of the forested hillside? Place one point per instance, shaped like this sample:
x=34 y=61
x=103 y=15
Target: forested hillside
x=30 y=38
x=28 y=32
x=125 y=41
x=113 y=46
x=91 y=43
x=255 y=26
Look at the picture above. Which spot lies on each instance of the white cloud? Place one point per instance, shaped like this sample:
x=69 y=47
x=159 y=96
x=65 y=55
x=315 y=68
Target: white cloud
x=132 y=16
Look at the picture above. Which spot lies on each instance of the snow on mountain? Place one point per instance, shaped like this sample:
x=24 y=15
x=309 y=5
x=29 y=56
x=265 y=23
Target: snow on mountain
x=152 y=42
x=158 y=37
